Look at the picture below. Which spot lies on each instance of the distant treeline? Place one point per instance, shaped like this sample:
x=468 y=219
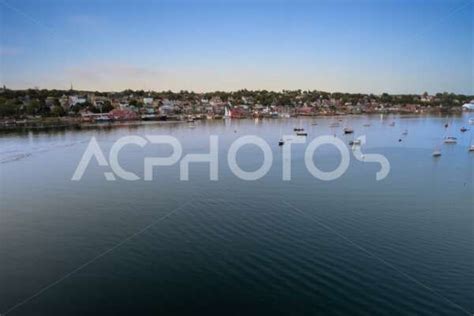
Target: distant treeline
x=33 y=101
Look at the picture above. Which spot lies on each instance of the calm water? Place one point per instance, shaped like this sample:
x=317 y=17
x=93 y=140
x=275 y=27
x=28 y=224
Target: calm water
x=404 y=245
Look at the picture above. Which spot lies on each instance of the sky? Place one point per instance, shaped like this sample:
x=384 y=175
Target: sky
x=367 y=46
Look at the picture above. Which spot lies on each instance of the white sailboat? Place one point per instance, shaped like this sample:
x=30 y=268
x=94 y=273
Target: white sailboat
x=471 y=145
x=450 y=139
x=227 y=112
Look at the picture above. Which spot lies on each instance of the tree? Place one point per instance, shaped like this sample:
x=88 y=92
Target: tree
x=57 y=110
x=33 y=107
x=9 y=107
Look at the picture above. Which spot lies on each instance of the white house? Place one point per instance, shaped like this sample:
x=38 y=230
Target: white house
x=148 y=101
x=468 y=106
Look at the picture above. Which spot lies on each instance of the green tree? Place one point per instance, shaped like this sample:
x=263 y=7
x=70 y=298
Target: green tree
x=57 y=111
x=8 y=107
x=33 y=107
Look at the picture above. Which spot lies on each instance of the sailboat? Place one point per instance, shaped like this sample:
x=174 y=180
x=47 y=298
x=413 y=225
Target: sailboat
x=471 y=145
x=300 y=130
x=348 y=130
x=281 y=142
x=450 y=139
x=227 y=113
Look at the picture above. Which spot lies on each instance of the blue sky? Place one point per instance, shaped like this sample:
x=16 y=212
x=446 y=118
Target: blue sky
x=350 y=46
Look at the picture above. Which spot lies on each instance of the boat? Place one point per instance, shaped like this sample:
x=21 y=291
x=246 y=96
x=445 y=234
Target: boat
x=301 y=134
x=298 y=129
x=463 y=129
x=103 y=118
x=348 y=130
x=436 y=153
x=450 y=140
x=314 y=124
x=471 y=121
x=149 y=117
x=355 y=142
x=281 y=142
x=366 y=125
x=392 y=124
x=471 y=146
x=405 y=132
x=227 y=112
x=334 y=125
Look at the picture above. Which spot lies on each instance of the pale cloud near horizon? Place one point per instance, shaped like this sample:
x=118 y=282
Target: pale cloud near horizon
x=117 y=76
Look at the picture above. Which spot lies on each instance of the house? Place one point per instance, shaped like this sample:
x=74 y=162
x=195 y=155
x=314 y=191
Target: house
x=75 y=99
x=123 y=115
x=468 y=106
x=148 y=101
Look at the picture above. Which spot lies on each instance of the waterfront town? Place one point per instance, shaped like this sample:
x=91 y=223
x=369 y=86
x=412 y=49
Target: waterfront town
x=40 y=107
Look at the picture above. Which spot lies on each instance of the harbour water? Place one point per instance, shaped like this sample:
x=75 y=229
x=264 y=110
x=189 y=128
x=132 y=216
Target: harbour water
x=403 y=245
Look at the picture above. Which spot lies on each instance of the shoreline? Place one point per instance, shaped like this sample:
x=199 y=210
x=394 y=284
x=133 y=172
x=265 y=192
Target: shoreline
x=58 y=125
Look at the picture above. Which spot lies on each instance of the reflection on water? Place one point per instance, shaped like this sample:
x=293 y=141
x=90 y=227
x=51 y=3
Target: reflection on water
x=403 y=245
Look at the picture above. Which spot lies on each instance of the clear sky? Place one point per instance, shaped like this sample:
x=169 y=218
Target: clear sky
x=376 y=46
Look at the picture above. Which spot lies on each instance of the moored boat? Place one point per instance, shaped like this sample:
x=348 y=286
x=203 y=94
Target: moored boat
x=450 y=140
x=348 y=130
x=355 y=142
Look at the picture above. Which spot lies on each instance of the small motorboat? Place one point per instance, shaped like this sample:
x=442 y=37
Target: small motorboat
x=392 y=124
x=355 y=142
x=301 y=134
x=463 y=129
x=348 y=130
x=436 y=153
x=405 y=132
x=450 y=140
x=314 y=124
x=471 y=121
x=103 y=119
x=281 y=142
x=471 y=148
x=298 y=129
x=366 y=125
